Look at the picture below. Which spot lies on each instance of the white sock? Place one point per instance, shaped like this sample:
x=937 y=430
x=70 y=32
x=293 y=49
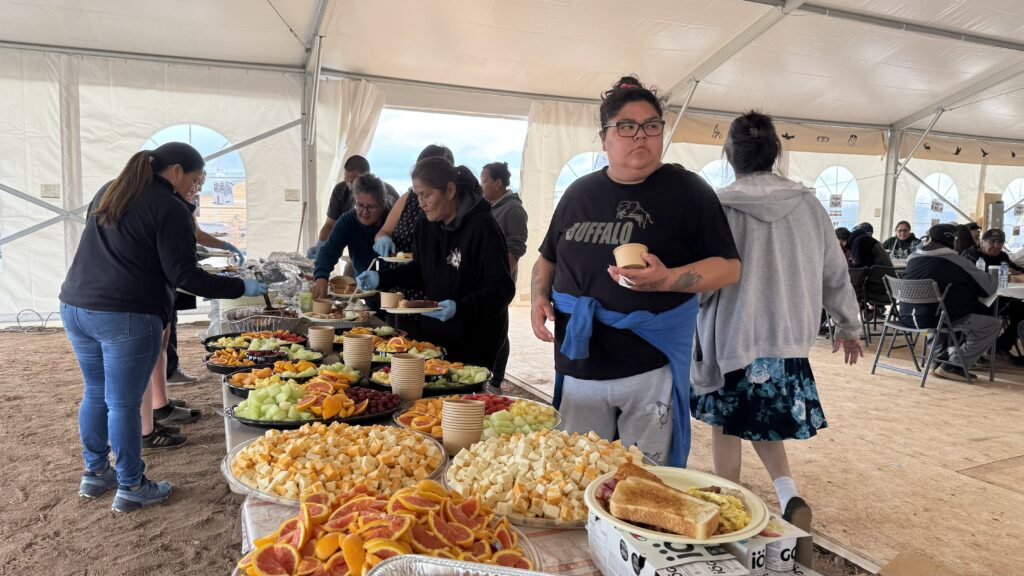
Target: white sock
x=785 y=487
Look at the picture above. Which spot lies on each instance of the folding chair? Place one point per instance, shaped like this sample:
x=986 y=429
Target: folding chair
x=857 y=278
x=917 y=292
x=876 y=296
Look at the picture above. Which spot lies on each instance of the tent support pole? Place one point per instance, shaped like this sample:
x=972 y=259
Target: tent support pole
x=32 y=229
x=936 y=194
x=679 y=117
x=892 y=164
x=901 y=165
x=42 y=204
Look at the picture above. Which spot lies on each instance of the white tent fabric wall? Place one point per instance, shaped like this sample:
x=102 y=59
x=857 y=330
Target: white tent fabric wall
x=124 y=102
x=557 y=132
x=805 y=167
x=32 y=267
x=967 y=178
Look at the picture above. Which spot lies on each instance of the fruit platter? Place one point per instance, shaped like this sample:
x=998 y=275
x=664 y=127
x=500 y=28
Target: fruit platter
x=550 y=489
x=383 y=350
x=379 y=333
x=357 y=530
x=242 y=381
x=227 y=360
x=440 y=378
x=284 y=465
x=242 y=339
x=286 y=404
x=503 y=415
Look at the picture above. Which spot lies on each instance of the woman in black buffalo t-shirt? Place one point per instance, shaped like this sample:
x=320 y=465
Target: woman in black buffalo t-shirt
x=623 y=388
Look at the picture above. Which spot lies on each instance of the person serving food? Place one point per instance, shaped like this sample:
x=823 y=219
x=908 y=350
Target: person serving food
x=626 y=374
x=460 y=260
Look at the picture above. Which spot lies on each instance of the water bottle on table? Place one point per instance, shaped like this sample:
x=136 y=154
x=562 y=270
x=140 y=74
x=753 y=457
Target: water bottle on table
x=980 y=264
x=1004 y=275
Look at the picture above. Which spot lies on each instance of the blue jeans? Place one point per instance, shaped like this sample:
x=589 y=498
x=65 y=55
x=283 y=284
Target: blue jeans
x=116 y=352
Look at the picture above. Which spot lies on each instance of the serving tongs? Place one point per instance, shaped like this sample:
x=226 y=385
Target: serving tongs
x=266 y=295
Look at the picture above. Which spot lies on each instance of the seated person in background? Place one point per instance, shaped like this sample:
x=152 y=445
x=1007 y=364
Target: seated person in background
x=903 y=243
x=843 y=236
x=937 y=261
x=964 y=240
x=975 y=229
x=342 y=198
x=991 y=249
x=866 y=250
x=355 y=231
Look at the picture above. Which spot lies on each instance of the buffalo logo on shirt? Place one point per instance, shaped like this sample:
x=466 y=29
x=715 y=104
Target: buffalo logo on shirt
x=633 y=211
x=630 y=215
x=455 y=259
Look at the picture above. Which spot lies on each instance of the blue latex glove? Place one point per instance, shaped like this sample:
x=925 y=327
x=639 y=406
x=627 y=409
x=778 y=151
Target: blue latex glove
x=384 y=246
x=254 y=287
x=232 y=248
x=368 y=280
x=314 y=249
x=446 y=312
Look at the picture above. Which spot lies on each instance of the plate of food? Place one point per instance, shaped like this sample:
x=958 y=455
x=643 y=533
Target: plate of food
x=413 y=307
x=383 y=349
x=440 y=378
x=678 y=505
x=264 y=407
x=503 y=415
x=398 y=258
x=228 y=360
x=243 y=339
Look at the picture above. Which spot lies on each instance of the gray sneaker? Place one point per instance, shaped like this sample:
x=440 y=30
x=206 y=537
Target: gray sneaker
x=147 y=493
x=181 y=377
x=95 y=485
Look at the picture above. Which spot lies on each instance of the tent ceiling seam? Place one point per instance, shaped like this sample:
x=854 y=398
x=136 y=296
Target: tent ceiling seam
x=286 y=24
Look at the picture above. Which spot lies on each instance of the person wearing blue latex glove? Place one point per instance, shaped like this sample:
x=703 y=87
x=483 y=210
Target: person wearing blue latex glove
x=254 y=287
x=368 y=280
x=446 y=312
x=232 y=248
x=315 y=249
x=384 y=246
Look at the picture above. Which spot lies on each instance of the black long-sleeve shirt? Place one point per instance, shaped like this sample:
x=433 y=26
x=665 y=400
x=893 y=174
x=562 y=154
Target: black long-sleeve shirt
x=137 y=265
x=467 y=262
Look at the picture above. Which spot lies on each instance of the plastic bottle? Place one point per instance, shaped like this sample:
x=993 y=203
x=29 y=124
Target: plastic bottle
x=980 y=264
x=306 y=297
x=1004 y=275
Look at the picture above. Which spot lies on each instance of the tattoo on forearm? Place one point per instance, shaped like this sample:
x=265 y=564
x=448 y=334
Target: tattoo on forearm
x=540 y=284
x=687 y=280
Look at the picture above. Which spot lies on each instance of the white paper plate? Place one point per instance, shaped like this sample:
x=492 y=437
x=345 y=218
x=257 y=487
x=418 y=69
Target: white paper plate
x=410 y=310
x=394 y=260
x=681 y=479
x=357 y=295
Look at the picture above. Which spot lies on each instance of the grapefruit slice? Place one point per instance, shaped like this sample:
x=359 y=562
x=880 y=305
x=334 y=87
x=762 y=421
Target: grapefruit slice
x=426 y=542
x=308 y=565
x=432 y=487
x=334 y=566
x=453 y=534
x=385 y=548
x=480 y=550
x=471 y=507
x=454 y=514
x=319 y=498
x=362 y=504
x=245 y=562
x=445 y=554
x=418 y=503
x=315 y=513
x=391 y=527
x=305 y=402
x=512 y=559
x=276 y=560
x=294 y=533
x=504 y=537
x=352 y=549
x=319 y=387
x=340 y=522
x=361 y=407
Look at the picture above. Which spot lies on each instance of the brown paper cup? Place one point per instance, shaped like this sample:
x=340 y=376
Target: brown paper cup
x=357 y=352
x=390 y=299
x=455 y=440
x=323 y=306
x=629 y=256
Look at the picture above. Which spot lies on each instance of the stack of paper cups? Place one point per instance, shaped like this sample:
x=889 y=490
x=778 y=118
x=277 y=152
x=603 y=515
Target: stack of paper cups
x=357 y=352
x=407 y=376
x=321 y=338
x=462 y=422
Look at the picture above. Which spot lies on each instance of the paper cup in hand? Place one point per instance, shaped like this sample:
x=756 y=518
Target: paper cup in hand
x=630 y=256
x=323 y=306
x=390 y=299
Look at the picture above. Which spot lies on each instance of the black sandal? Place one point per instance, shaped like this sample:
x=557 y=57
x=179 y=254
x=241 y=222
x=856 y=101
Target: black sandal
x=178 y=415
x=161 y=440
x=177 y=402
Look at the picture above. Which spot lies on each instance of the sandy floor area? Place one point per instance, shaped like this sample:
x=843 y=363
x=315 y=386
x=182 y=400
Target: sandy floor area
x=900 y=468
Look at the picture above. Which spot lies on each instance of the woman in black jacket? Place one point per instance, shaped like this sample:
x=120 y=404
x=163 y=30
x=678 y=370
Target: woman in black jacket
x=459 y=259
x=138 y=247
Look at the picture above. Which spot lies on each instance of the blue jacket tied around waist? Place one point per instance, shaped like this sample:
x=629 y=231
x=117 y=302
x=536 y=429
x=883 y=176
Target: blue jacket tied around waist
x=671 y=332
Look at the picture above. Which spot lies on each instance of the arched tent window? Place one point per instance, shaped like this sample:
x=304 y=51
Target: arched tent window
x=222 y=199
x=1013 y=219
x=579 y=165
x=837 y=190
x=717 y=173
x=928 y=208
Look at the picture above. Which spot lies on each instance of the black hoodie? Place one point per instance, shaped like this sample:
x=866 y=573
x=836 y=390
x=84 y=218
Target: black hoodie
x=465 y=261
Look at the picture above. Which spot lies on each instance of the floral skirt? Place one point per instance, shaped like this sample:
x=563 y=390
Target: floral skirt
x=772 y=399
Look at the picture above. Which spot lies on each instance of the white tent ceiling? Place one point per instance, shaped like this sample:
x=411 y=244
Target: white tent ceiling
x=806 y=66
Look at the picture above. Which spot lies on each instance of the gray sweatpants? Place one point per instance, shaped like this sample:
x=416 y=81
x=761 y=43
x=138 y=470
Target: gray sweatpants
x=636 y=409
x=977 y=334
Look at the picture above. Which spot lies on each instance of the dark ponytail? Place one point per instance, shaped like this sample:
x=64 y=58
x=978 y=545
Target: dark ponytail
x=627 y=89
x=752 y=145
x=499 y=171
x=138 y=174
x=437 y=172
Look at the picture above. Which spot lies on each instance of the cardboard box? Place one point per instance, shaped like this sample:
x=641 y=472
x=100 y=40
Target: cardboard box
x=773 y=549
x=913 y=564
x=619 y=553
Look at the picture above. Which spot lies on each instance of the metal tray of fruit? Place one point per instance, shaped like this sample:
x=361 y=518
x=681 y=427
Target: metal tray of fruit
x=211 y=345
x=407 y=405
x=418 y=565
x=292 y=424
x=243 y=392
x=239 y=487
x=226 y=369
x=431 y=388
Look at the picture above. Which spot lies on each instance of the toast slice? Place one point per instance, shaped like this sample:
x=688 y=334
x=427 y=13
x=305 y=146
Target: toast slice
x=629 y=470
x=644 y=501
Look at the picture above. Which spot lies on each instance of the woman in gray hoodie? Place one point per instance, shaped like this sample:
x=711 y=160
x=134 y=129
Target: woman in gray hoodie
x=751 y=378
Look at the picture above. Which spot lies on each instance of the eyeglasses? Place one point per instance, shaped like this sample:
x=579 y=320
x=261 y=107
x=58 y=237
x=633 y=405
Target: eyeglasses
x=629 y=128
x=367 y=207
x=903 y=229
